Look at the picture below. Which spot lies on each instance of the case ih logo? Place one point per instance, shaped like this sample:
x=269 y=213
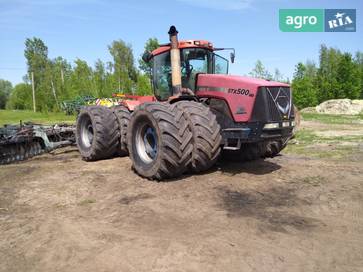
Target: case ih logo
x=340 y=20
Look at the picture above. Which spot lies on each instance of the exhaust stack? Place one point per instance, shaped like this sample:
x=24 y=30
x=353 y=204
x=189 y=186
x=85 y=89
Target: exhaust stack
x=175 y=61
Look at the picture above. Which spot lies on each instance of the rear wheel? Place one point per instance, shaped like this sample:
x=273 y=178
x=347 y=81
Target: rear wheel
x=159 y=141
x=206 y=134
x=123 y=117
x=97 y=133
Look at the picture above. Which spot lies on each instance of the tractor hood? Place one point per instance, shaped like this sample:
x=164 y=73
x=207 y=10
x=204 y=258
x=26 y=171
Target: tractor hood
x=231 y=81
x=239 y=92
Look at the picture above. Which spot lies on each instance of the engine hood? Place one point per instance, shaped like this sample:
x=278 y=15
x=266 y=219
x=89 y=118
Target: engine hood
x=239 y=92
x=230 y=81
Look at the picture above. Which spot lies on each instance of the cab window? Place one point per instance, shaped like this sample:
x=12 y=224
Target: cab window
x=220 y=65
x=193 y=61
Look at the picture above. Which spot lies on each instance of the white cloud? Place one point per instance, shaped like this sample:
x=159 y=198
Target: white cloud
x=220 y=4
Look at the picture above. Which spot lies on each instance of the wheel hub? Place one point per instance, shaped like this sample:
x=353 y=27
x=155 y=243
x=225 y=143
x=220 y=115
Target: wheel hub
x=87 y=133
x=146 y=143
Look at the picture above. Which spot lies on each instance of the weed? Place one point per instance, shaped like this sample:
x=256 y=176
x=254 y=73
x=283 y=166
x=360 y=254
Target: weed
x=86 y=202
x=314 y=180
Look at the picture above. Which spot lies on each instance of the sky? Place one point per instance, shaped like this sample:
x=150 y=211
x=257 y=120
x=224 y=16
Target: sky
x=83 y=29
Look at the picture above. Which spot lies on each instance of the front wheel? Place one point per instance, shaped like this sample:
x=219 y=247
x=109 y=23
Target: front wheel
x=206 y=134
x=159 y=141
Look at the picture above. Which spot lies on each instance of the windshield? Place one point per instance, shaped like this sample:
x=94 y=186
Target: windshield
x=193 y=62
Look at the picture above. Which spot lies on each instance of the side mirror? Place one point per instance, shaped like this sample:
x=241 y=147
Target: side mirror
x=232 y=57
x=147 y=56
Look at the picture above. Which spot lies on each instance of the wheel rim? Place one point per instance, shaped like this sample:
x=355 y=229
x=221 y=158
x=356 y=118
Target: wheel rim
x=146 y=143
x=87 y=132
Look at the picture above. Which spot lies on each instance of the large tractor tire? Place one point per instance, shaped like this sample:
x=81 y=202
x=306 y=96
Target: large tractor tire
x=97 y=133
x=123 y=117
x=207 y=136
x=159 y=141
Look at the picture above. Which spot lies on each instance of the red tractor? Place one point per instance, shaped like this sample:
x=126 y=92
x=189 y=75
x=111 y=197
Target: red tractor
x=197 y=112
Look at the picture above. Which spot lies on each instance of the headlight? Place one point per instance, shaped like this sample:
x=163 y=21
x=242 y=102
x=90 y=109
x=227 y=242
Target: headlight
x=271 y=126
x=292 y=123
x=285 y=124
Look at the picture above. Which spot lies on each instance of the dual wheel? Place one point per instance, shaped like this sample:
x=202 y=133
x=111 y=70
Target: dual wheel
x=98 y=133
x=163 y=140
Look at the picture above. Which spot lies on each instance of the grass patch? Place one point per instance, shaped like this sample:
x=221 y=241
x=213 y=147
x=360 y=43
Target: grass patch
x=333 y=119
x=307 y=136
x=321 y=152
x=314 y=180
x=307 y=143
x=14 y=117
x=86 y=202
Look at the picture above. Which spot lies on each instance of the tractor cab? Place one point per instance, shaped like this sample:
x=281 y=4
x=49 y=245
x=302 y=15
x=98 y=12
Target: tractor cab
x=196 y=57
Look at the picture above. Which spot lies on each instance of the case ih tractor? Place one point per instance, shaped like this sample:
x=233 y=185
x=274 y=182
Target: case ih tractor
x=197 y=112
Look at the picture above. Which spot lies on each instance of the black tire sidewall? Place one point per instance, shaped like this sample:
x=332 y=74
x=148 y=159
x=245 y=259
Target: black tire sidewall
x=140 y=118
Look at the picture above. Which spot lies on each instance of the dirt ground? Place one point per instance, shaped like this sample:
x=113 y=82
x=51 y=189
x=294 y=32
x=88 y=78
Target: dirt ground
x=290 y=213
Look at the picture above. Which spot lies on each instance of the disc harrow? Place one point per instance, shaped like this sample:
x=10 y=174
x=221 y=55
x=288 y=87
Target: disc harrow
x=24 y=141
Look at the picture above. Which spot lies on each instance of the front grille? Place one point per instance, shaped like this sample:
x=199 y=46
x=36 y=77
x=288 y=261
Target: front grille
x=273 y=104
x=274 y=113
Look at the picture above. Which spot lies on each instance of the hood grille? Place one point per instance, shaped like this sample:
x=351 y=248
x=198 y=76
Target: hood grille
x=273 y=104
x=280 y=102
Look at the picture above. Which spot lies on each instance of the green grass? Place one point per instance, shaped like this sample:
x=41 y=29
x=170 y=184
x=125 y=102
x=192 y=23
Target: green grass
x=308 y=137
x=313 y=180
x=14 y=116
x=335 y=152
x=307 y=144
x=333 y=119
x=86 y=202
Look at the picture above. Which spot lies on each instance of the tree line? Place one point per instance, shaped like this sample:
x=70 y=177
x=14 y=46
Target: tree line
x=337 y=75
x=56 y=80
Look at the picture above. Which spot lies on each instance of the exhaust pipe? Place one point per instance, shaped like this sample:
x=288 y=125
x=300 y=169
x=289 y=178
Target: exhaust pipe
x=175 y=61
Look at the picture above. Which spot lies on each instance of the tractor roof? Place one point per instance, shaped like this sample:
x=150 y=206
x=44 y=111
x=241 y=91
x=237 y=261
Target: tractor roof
x=184 y=44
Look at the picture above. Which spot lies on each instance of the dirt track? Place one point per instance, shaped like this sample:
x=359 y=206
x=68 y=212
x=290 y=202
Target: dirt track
x=290 y=213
